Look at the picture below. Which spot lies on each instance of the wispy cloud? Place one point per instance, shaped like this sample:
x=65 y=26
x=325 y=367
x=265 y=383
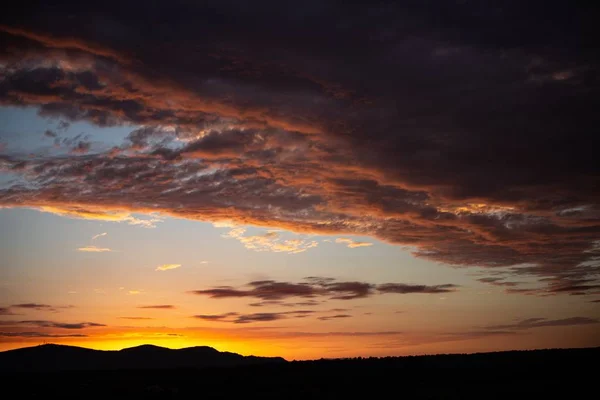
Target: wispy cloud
x=94 y=249
x=134 y=292
x=159 y=306
x=166 y=267
x=136 y=318
x=270 y=241
x=38 y=307
x=6 y=311
x=99 y=235
x=353 y=244
x=336 y=316
x=531 y=323
x=236 y=318
x=100 y=214
x=53 y=324
x=41 y=335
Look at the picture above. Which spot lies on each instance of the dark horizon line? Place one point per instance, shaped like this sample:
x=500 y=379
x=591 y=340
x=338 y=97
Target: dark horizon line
x=149 y=345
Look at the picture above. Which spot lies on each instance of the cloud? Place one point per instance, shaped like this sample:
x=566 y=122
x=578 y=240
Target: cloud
x=166 y=267
x=498 y=281
x=216 y=317
x=41 y=335
x=236 y=318
x=6 y=311
x=160 y=306
x=544 y=322
x=397 y=134
x=336 y=316
x=98 y=214
x=94 y=249
x=134 y=292
x=53 y=324
x=38 y=307
x=99 y=235
x=306 y=303
x=401 y=288
x=352 y=244
x=34 y=306
x=136 y=318
x=313 y=287
x=271 y=241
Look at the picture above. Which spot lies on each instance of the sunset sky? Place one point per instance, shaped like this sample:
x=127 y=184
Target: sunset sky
x=303 y=180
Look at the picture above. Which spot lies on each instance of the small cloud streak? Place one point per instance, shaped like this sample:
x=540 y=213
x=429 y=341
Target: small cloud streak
x=136 y=318
x=34 y=306
x=337 y=316
x=352 y=244
x=99 y=214
x=160 y=307
x=498 y=281
x=236 y=318
x=134 y=292
x=166 y=267
x=94 y=249
x=544 y=322
x=53 y=324
x=99 y=235
x=41 y=335
x=6 y=311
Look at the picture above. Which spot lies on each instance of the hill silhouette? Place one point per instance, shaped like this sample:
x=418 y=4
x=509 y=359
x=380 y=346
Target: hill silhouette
x=203 y=372
x=52 y=357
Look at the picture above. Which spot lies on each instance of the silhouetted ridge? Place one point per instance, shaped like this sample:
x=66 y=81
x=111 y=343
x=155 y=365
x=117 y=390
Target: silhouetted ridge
x=52 y=357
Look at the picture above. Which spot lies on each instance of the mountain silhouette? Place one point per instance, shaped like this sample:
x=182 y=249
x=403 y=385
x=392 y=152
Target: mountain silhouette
x=52 y=357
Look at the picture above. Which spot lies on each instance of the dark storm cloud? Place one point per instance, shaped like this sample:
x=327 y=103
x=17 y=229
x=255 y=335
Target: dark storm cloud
x=463 y=131
x=53 y=324
x=273 y=291
x=544 y=322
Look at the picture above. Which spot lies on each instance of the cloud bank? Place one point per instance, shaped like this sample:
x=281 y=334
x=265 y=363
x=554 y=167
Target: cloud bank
x=469 y=140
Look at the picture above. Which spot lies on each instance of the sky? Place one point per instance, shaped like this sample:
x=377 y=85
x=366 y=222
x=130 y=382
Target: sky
x=305 y=180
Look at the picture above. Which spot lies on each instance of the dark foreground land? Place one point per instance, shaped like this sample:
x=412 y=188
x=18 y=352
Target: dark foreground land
x=538 y=374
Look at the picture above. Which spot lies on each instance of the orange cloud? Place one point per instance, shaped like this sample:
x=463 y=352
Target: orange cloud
x=166 y=267
x=94 y=249
x=353 y=244
x=271 y=241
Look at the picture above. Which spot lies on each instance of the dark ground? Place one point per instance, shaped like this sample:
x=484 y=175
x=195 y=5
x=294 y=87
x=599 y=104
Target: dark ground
x=536 y=374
